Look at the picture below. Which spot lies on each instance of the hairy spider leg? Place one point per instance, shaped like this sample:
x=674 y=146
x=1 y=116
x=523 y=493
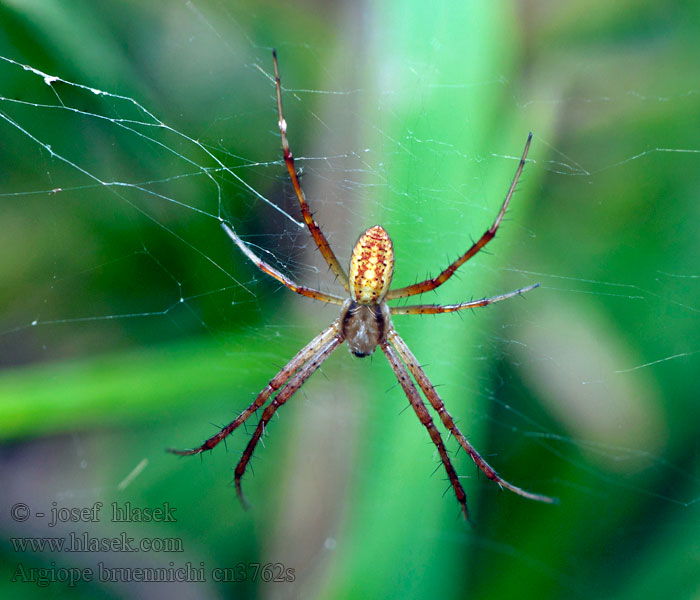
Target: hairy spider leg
x=306 y=353
x=432 y=309
x=314 y=229
x=424 y=416
x=431 y=284
x=287 y=391
x=439 y=406
x=265 y=268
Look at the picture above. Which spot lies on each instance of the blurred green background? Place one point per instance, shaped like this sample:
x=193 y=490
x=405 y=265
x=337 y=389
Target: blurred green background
x=130 y=324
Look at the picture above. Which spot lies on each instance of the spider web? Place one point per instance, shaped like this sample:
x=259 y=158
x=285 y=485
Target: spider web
x=113 y=200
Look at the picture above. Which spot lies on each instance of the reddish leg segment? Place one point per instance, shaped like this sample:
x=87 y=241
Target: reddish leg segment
x=306 y=353
x=425 y=418
x=439 y=406
x=431 y=284
x=314 y=229
x=285 y=394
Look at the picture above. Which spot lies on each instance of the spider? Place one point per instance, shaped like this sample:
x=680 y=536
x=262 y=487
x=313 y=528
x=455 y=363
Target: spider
x=365 y=323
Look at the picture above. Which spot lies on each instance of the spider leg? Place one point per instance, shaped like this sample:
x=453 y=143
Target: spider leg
x=314 y=229
x=265 y=268
x=431 y=284
x=419 y=406
x=275 y=384
x=439 y=406
x=292 y=386
x=432 y=309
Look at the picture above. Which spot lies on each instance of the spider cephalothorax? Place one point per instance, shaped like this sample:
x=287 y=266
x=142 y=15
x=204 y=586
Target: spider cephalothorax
x=365 y=324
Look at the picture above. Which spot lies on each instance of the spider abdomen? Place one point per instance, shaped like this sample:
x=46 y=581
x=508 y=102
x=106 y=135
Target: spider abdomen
x=364 y=326
x=371 y=266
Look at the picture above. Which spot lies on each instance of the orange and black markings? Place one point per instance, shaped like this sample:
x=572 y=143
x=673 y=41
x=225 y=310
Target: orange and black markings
x=371 y=266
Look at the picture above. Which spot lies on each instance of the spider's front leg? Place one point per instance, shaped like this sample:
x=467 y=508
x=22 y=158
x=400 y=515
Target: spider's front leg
x=425 y=418
x=275 y=384
x=285 y=394
x=437 y=403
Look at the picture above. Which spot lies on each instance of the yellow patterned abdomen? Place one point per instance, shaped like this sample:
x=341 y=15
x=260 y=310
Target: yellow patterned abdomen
x=371 y=266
